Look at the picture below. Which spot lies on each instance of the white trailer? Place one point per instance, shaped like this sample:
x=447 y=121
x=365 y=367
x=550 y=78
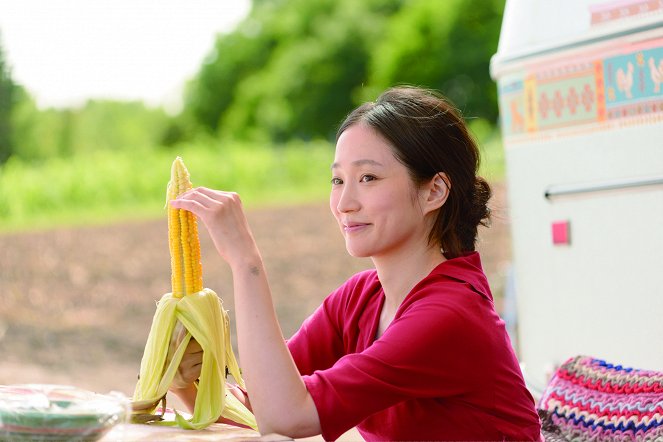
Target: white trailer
x=581 y=102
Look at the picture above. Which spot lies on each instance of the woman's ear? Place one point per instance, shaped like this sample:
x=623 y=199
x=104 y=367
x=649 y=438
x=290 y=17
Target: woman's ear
x=437 y=191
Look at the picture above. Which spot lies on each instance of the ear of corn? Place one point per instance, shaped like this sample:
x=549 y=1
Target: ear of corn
x=200 y=311
x=186 y=269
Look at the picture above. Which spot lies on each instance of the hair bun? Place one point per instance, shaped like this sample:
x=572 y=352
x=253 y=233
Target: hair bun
x=476 y=211
x=480 y=197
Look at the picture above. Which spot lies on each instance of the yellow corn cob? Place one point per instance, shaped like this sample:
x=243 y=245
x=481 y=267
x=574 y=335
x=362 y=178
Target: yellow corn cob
x=186 y=269
x=200 y=311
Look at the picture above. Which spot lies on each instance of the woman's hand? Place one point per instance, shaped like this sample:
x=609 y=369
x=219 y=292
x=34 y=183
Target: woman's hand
x=224 y=218
x=189 y=370
x=183 y=384
x=192 y=360
x=188 y=373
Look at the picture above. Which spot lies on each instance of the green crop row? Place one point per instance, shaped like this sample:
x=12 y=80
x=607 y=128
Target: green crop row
x=106 y=186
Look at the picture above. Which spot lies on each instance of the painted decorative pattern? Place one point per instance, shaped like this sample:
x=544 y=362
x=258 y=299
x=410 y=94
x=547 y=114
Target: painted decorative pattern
x=633 y=83
x=623 y=9
x=626 y=83
x=590 y=399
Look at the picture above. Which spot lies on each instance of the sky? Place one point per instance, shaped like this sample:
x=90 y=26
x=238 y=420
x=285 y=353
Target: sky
x=67 y=51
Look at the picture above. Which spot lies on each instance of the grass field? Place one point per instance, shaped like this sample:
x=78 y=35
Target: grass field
x=104 y=186
x=107 y=186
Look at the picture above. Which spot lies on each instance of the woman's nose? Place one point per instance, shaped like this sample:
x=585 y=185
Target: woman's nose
x=347 y=201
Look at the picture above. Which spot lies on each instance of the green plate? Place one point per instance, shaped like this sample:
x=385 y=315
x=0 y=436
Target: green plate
x=37 y=412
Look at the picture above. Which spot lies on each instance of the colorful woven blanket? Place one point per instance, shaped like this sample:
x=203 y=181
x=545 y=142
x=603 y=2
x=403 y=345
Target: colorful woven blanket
x=589 y=399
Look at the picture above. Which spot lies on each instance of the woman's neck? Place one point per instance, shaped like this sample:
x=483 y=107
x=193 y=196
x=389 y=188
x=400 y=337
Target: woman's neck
x=399 y=273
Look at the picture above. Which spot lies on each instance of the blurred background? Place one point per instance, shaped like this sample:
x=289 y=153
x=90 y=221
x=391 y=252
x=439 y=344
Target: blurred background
x=97 y=99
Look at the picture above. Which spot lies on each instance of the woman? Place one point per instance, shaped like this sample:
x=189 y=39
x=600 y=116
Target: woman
x=412 y=350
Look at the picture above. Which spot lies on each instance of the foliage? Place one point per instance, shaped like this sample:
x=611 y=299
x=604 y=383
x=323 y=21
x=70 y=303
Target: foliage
x=233 y=57
x=111 y=125
x=489 y=139
x=6 y=101
x=103 y=185
x=37 y=134
x=443 y=45
x=295 y=68
x=313 y=54
x=99 y=125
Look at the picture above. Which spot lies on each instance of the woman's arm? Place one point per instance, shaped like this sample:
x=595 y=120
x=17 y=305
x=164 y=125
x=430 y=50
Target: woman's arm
x=280 y=400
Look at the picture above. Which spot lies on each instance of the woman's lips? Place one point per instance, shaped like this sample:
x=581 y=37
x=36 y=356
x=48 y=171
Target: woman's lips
x=354 y=227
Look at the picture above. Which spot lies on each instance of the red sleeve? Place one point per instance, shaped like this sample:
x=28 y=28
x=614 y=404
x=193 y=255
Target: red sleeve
x=325 y=336
x=323 y=339
x=429 y=350
x=317 y=345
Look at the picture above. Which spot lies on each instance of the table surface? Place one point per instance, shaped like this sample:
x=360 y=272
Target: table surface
x=215 y=432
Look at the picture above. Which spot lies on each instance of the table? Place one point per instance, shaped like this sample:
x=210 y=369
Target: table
x=215 y=432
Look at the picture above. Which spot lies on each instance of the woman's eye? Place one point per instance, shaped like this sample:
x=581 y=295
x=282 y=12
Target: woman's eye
x=336 y=181
x=367 y=178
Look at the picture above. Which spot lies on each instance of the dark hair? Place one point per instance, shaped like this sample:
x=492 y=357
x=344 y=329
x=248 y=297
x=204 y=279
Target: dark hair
x=429 y=136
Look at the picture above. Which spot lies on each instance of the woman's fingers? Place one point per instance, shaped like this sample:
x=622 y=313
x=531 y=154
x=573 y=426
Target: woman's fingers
x=223 y=216
x=193 y=347
x=190 y=365
x=192 y=199
x=208 y=204
x=208 y=198
x=193 y=355
x=188 y=204
x=214 y=194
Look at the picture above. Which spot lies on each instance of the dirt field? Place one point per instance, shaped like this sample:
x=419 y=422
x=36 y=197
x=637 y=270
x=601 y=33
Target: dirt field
x=76 y=304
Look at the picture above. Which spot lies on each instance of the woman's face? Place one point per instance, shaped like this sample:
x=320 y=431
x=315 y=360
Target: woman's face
x=373 y=198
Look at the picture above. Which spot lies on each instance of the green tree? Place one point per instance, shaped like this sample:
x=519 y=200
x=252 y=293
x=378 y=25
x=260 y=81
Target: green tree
x=113 y=125
x=6 y=103
x=312 y=56
x=233 y=57
x=37 y=134
x=99 y=125
x=443 y=45
x=293 y=68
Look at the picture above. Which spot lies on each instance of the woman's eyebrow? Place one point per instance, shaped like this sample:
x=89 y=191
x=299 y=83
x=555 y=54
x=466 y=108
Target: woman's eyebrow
x=361 y=163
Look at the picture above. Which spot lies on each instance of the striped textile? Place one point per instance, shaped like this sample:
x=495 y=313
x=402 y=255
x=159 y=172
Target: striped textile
x=589 y=399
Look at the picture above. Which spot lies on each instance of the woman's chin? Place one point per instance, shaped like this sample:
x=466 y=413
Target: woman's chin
x=357 y=252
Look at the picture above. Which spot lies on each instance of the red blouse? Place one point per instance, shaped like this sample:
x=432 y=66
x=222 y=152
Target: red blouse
x=444 y=369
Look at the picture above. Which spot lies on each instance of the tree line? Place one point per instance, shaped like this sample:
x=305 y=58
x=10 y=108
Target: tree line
x=290 y=70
